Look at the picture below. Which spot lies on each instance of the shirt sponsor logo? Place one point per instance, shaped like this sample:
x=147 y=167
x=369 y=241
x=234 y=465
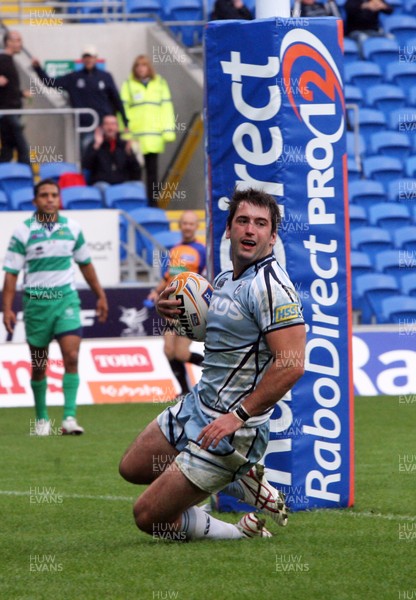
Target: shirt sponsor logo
x=286 y=312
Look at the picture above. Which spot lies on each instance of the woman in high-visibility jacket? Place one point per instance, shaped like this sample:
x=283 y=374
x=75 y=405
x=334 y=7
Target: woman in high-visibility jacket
x=149 y=109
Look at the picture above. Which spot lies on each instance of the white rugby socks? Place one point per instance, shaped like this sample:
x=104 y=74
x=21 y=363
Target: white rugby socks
x=197 y=524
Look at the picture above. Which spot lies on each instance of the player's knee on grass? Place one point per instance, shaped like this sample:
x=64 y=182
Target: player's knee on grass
x=143 y=516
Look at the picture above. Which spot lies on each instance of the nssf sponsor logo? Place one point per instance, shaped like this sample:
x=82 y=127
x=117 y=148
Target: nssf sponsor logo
x=122 y=360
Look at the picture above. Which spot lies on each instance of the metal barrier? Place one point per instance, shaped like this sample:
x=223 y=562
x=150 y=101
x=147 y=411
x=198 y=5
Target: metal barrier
x=72 y=131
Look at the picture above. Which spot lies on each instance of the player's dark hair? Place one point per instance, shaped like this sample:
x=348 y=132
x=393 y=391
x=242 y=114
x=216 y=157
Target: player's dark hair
x=258 y=198
x=45 y=182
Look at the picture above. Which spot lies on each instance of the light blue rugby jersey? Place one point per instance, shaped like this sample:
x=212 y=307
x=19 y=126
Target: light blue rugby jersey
x=242 y=311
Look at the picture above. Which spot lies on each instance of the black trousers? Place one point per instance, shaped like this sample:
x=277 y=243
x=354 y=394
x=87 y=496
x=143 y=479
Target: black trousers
x=11 y=134
x=152 y=180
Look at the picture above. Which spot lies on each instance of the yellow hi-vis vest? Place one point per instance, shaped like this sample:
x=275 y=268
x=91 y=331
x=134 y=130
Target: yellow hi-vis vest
x=149 y=110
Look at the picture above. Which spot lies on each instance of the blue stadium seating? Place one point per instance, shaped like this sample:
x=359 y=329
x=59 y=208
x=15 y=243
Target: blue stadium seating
x=168 y=239
x=395 y=262
x=154 y=220
x=54 y=170
x=14 y=176
x=371 y=240
x=411 y=95
x=400 y=310
x=405 y=237
x=22 y=199
x=351 y=51
x=354 y=173
x=360 y=265
x=186 y=10
x=403 y=119
x=403 y=27
x=385 y=97
x=353 y=95
x=410 y=166
x=139 y=7
x=380 y=50
x=401 y=73
x=4 y=202
x=408 y=284
x=403 y=190
x=383 y=169
x=357 y=216
x=372 y=289
x=352 y=151
x=411 y=8
x=126 y=196
x=81 y=198
x=395 y=143
x=366 y=192
x=389 y=216
x=363 y=74
x=370 y=121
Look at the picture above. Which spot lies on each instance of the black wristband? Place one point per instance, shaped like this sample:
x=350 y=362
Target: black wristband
x=242 y=414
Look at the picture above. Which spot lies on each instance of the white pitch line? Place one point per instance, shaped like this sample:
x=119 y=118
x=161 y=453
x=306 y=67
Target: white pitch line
x=388 y=517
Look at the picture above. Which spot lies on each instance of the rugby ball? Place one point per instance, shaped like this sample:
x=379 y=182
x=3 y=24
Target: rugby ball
x=194 y=292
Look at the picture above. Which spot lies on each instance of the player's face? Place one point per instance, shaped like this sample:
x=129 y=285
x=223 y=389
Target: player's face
x=188 y=226
x=47 y=200
x=250 y=235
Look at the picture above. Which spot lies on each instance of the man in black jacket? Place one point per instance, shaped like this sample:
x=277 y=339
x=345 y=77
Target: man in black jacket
x=88 y=88
x=363 y=18
x=108 y=158
x=11 y=130
x=231 y=9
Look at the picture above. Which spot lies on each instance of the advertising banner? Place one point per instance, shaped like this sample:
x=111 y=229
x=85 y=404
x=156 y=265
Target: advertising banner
x=275 y=119
x=102 y=240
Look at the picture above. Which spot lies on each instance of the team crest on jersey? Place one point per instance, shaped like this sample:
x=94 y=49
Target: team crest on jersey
x=286 y=312
x=239 y=288
x=220 y=283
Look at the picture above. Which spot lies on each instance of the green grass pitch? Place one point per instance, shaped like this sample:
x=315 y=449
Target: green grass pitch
x=84 y=545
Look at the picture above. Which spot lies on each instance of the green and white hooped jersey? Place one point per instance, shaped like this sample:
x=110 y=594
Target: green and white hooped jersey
x=45 y=253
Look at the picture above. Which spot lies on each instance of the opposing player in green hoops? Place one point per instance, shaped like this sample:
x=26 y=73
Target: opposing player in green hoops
x=45 y=246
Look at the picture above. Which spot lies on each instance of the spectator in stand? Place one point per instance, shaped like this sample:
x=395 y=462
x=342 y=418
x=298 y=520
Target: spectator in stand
x=363 y=18
x=149 y=108
x=109 y=159
x=11 y=129
x=88 y=88
x=310 y=8
x=230 y=9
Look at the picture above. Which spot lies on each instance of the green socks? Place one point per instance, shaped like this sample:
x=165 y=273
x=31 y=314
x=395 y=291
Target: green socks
x=39 y=393
x=70 y=384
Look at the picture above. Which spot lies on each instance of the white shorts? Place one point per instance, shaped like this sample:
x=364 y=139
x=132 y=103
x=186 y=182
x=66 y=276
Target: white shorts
x=213 y=469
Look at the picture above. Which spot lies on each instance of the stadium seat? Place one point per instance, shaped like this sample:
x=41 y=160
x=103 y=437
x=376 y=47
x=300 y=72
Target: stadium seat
x=405 y=238
x=186 y=10
x=400 y=310
x=54 y=170
x=372 y=289
x=410 y=166
x=385 y=97
x=366 y=192
x=355 y=150
x=81 y=198
x=351 y=52
x=354 y=173
x=403 y=190
x=403 y=27
x=138 y=7
x=22 y=199
x=363 y=74
x=371 y=240
x=411 y=95
x=410 y=6
x=403 y=119
x=395 y=143
x=370 y=121
x=154 y=220
x=401 y=73
x=360 y=265
x=126 y=196
x=4 y=202
x=395 y=262
x=408 y=284
x=14 y=176
x=383 y=169
x=353 y=95
x=380 y=50
x=168 y=239
x=389 y=216
x=358 y=216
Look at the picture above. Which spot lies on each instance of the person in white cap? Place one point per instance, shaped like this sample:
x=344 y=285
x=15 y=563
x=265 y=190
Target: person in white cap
x=89 y=87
